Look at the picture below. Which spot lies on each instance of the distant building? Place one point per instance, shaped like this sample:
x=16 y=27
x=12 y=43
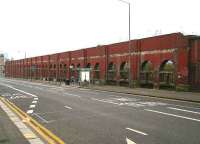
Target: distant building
x=2 y=64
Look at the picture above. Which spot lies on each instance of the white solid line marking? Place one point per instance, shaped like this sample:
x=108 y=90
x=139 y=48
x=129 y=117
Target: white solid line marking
x=188 y=118
x=31 y=106
x=67 y=107
x=183 y=110
x=34 y=101
x=40 y=117
x=26 y=82
x=20 y=90
x=137 y=131
x=29 y=111
x=128 y=141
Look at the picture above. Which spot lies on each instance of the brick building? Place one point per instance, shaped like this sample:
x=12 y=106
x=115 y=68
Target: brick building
x=2 y=65
x=165 y=61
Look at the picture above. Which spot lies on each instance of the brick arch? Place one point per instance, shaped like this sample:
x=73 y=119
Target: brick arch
x=88 y=65
x=145 y=63
x=112 y=72
x=123 y=69
x=164 y=62
x=147 y=74
x=78 y=65
x=167 y=74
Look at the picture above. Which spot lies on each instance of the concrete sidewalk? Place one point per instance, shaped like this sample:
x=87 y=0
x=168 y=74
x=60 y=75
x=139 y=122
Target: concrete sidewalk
x=9 y=133
x=184 y=96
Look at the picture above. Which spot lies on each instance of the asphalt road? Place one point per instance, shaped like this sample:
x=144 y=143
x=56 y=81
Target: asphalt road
x=82 y=116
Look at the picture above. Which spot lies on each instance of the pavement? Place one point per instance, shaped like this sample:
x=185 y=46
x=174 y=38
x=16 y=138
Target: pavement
x=89 y=116
x=9 y=133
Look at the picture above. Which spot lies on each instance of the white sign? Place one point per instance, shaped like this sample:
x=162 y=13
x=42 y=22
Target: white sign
x=85 y=76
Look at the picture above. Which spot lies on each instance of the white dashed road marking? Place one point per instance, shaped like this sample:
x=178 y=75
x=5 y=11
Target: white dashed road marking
x=137 y=131
x=32 y=106
x=128 y=141
x=34 y=101
x=67 y=107
x=29 y=111
x=178 y=116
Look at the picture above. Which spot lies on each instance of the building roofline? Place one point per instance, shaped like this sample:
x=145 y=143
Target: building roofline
x=193 y=37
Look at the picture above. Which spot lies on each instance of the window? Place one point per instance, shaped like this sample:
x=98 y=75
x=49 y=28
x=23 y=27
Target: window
x=124 y=70
x=97 y=71
x=111 y=71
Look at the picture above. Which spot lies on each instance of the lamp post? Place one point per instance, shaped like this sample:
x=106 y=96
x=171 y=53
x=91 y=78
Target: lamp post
x=129 y=38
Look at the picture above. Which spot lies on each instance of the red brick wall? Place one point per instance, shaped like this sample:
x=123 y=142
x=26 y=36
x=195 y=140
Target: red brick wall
x=195 y=63
x=155 y=49
x=97 y=55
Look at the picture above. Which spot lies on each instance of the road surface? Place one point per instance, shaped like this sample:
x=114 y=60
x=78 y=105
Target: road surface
x=83 y=116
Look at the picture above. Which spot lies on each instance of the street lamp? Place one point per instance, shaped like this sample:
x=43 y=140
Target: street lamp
x=129 y=38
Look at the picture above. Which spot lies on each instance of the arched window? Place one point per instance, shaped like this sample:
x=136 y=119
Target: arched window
x=111 y=67
x=78 y=67
x=88 y=65
x=146 y=74
x=147 y=66
x=72 y=70
x=71 y=66
x=124 y=70
x=97 y=71
x=167 y=66
x=111 y=71
x=167 y=73
x=65 y=67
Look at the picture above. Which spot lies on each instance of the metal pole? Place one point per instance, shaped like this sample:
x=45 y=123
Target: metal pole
x=129 y=48
x=129 y=38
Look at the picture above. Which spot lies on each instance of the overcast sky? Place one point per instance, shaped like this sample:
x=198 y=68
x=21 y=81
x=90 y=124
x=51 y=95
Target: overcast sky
x=40 y=27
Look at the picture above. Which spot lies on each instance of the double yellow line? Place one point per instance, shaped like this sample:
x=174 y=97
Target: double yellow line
x=41 y=130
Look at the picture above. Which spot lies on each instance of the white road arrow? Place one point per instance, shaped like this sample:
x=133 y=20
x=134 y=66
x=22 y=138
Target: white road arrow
x=129 y=141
